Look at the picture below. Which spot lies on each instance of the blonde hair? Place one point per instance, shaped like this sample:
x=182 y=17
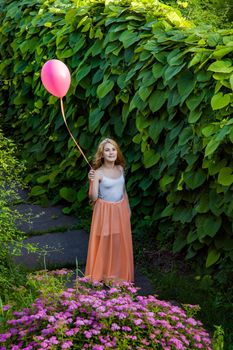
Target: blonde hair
x=98 y=158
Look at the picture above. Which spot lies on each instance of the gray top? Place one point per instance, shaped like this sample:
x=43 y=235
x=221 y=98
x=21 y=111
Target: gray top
x=111 y=190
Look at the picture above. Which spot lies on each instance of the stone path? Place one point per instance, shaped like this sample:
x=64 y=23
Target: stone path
x=61 y=243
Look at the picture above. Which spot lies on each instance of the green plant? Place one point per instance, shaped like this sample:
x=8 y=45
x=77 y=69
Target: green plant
x=218 y=338
x=143 y=74
x=89 y=316
x=10 y=237
x=211 y=13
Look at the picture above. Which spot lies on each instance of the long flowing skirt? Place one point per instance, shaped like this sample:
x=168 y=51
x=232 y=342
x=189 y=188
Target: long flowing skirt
x=110 y=251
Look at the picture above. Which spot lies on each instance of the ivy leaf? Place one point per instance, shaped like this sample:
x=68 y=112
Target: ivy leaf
x=166 y=180
x=223 y=66
x=207 y=225
x=220 y=100
x=194 y=100
x=186 y=84
x=225 y=176
x=194 y=179
x=150 y=158
x=128 y=38
x=156 y=100
x=68 y=193
x=37 y=191
x=194 y=116
x=212 y=257
x=211 y=147
x=82 y=72
x=104 y=88
x=94 y=118
x=231 y=81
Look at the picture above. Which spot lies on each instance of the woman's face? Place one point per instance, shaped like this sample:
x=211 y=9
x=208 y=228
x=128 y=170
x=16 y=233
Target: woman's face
x=109 y=152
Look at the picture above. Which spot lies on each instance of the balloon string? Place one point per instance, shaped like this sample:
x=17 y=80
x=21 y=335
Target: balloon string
x=79 y=148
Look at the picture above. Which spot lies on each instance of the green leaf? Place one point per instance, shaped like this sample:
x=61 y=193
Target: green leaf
x=94 y=118
x=211 y=147
x=231 y=81
x=223 y=66
x=225 y=176
x=65 y=53
x=68 y=193
x=220 y=100
x=179 y=244
x=37 y=191
x=183 y=214
x=212 y=257
x=219 y=53
x=170 y=72
x=194 y=116
x=137 y=138
x=207 y=225
x=156 y=128
x=104 y=88
x=166 y=180
x=192 y=236
x=82 y=72
x=137 y=102
x=141 y=122
x=128 y=38
x=150 y=158
x=194 y=179
x=125 y=112
x=168 y=211
x=194 y=100
x=42 y=179
x=144 y=92
x=157 y=70
x=157 y=99
x=186 y=84
x=208 y=130
x=185 y=135
x=82 y=194
x=203 y=204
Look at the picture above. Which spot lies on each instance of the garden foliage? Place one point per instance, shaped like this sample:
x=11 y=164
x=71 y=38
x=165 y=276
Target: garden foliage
x=144 y=76
x=10 y=236
x=213 y=13
x=91 y=317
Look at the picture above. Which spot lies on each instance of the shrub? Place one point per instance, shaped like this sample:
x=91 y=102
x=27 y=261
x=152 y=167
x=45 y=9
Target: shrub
x=90 y=317
x=10 y=237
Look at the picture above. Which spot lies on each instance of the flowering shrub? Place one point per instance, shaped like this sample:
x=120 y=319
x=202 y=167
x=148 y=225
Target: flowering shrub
x=95 y=316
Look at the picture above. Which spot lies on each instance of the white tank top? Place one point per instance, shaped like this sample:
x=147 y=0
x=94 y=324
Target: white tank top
x=111 y=190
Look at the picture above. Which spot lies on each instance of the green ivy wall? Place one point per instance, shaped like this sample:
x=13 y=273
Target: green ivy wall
x=144 y=76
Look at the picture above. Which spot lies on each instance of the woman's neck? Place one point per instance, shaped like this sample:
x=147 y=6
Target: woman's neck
x=109 y=165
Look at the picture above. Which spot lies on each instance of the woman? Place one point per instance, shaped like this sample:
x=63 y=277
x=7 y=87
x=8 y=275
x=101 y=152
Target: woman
x=110 y=252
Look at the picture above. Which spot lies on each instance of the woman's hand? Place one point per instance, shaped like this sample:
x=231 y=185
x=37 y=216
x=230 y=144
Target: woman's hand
x=91 y=175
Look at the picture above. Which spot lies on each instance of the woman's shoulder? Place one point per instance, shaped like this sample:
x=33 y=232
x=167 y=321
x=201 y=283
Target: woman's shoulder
x=99 y=173
x=120 y=168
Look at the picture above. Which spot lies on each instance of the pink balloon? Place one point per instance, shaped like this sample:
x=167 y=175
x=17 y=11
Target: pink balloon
x=56 y=78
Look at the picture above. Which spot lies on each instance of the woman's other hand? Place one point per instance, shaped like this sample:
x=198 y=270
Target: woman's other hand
x=91 y=175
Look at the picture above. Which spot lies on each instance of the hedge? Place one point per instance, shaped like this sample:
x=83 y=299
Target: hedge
x=145 y=76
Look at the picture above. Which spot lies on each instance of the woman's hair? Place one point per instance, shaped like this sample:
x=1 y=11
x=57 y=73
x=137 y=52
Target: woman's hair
x=98 y=158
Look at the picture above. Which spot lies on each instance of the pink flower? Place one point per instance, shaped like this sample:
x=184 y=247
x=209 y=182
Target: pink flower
x=67 y=344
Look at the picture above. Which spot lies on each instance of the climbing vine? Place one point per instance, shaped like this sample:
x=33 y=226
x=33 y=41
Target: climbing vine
x=141 y=74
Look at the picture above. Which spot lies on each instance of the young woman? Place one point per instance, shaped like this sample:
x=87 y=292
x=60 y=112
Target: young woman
x=110 y=252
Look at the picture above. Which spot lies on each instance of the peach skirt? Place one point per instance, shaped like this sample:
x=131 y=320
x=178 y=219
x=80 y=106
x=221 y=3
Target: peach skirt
x=110 y=251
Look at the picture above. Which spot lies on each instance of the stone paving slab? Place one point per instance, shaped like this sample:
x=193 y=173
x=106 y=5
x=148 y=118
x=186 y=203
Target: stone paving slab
x=60 y=249
x=39 y=219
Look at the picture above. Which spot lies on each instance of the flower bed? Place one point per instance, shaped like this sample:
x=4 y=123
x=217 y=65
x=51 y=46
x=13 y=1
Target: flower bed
x=95 y=316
